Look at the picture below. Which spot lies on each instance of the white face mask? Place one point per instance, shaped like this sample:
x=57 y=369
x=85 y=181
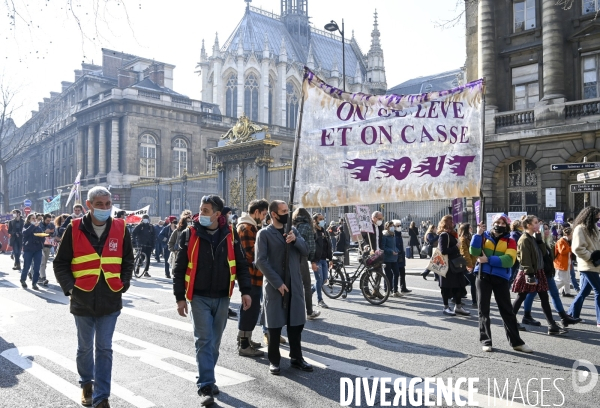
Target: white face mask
x=379 y=222
x=392 y=229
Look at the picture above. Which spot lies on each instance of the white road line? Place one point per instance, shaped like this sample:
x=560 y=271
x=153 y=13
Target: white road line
x=18 y=356
x=154 y=355
x=165 y=321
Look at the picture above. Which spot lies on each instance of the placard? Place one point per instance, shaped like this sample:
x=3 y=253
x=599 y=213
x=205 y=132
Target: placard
x=516 y=215
x=352 y=221
x=550 y=197
x=363 y=213
x=489 y=220
x=477 y=206
x=559 y=217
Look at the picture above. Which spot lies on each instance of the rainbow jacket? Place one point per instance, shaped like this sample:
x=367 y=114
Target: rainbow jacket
x=501 y=253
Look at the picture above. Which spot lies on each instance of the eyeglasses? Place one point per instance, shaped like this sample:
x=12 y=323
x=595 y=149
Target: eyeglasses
x=209 y=199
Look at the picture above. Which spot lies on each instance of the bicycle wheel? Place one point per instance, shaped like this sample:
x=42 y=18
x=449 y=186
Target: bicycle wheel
x=334 y=286
x=372 y=285
x=137 y=266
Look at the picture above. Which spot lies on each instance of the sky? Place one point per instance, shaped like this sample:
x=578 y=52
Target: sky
x=46 y=41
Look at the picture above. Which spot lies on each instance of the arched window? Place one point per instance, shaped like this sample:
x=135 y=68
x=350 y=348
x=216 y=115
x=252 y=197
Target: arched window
x=148 y=156
x=292 y=101
x=251 y=97
x=179 y=157
x=271 y=88
x=231 y=96
x=522 y=186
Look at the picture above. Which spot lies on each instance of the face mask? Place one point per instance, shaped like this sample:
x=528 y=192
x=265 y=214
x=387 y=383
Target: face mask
x=322 y=223
x=205 y=220
x=392 y=229
x=230 y=218
x=283 y=218
x=101 y=215
x=145 y=221
x=499 y=229
x=379 y=222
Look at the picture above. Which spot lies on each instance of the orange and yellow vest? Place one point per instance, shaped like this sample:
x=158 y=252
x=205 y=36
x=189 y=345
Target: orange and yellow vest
x=87 y=264
x=192 y=267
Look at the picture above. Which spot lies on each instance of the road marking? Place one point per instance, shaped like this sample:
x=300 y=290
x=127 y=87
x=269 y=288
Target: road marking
x=153 y=355
x=18 y=356
x=165 y=321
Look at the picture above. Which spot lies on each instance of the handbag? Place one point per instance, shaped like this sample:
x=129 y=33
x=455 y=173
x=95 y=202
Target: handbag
x=458 y=265
x=425 y=250
x=438 y=263
x=375 y=260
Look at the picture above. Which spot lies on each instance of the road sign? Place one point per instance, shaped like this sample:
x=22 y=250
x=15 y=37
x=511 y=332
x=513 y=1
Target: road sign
x=584 y=188
x=27 y=210
x=574 y=166
x=589 y=175
x=27 y=203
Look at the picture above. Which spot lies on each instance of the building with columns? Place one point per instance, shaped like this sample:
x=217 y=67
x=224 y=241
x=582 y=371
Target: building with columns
x=541 y=64
x=259 y=69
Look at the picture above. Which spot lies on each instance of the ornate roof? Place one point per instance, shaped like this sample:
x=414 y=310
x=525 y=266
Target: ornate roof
x=430 y=83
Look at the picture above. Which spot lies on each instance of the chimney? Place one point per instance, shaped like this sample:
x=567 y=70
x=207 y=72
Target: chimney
x=127 y=78
x=54 y=95
x=78 y=74
x=65 y=85
x=40 y=106
x=157 y=74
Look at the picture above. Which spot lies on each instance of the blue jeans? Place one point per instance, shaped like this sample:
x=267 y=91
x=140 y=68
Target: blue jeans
x=574 y=279
x=97 y=370
x=16 y=250
x=321 y=276
x=589 y=281
x=28 y=257
x=209 y=318
x=333 y=243
x=554 y=296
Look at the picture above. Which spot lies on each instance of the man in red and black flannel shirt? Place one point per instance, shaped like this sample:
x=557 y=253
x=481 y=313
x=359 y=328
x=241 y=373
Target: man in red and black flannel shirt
x=247 y=227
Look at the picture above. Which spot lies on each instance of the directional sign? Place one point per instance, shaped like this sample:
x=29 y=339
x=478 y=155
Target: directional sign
x=574 y=166
x=27 y=203
x=584 y=188
x=589 y=175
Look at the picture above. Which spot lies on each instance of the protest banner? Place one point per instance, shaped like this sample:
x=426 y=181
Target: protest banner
x=388 y=148
x=132 y=217
x=52 y=205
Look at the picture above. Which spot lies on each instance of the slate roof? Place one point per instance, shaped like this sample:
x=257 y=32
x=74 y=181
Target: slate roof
x=431 y=83
x=149 y=85
x=325 y=49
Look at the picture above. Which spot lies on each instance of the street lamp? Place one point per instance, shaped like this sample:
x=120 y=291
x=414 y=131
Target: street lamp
x=332 y=26
x=59 y=190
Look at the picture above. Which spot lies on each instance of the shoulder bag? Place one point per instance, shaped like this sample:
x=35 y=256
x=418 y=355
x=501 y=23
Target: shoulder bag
x=438 y=263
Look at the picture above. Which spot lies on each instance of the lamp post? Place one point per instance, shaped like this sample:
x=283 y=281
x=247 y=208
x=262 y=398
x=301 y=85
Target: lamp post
x=59 y=190
x=332 y=26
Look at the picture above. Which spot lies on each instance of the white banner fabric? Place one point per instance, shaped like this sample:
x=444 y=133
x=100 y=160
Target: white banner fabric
x=366 y=149
x=132 y=217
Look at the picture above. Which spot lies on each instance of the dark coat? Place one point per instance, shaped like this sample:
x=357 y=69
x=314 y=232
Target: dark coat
x=371 y=237
x=31 y=243
x=400 y=246
x=143 y=235
x=322 y=246
x=102 y=300
x=389 y=247
x=270 y=259
x=413 y=233
x=15 y=229
x=213 y=274
x=448 y=245
x=165 y=234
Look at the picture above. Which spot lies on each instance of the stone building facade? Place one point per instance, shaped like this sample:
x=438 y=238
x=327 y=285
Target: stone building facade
x=541 y=65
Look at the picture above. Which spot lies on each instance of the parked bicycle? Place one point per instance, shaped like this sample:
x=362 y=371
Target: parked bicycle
x=373 y=283
x=139 y=262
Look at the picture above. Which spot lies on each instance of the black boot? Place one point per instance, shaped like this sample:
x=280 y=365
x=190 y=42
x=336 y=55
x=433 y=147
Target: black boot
x=527 y=319
x=566 y=319
x=554 y=329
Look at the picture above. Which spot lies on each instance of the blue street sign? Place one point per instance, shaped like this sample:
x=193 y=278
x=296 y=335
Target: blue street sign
x=27 y=203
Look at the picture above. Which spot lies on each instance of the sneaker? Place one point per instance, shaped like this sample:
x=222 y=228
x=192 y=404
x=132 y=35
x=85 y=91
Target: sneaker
x=449 y=312
x=487 y=348
x=397 y=294
x=250 y=352
x=206 y=395
x=215 y=389
x=45 y=282
x=567 y=295
x=531 y=280
x=146 y=274
x=231 y=313
x=404 y=291
x=253 y=344
x=524 y=348
x=266 y=338
x=35 y=287
x=282 y=340
x=167 y=276
x=86 y=394
x=103 y=404
x=313 y=315
x=274 y=369
x=459 y=310
x=24 y=284
x=323 y=305
x=554 y=329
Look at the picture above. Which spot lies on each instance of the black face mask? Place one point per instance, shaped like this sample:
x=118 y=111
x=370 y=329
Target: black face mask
x=282 y=218
x=501 y=230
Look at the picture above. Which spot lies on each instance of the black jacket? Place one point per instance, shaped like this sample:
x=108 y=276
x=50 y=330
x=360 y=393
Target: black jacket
x=15 y=229
x=144 y=235
x=322 y=246
x=372 y=238
x=212 y=277
x=448 y=245
x=102 y=300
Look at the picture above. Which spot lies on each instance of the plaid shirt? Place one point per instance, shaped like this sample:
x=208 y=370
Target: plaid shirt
x=247 y=234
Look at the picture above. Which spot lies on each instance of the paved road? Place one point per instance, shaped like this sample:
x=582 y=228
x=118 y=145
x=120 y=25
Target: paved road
x=404 y=338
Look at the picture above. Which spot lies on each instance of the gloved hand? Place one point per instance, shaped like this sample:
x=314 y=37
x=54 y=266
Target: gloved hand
x=125 y=286
x=595 y=256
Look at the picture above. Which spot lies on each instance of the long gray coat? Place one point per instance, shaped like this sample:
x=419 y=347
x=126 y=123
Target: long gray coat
x=269 y=258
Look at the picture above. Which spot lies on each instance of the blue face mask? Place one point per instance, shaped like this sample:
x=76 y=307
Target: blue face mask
x=205 y=220
x=392 y=229
x=322 y=223
x=102 y=215
x=145 y=220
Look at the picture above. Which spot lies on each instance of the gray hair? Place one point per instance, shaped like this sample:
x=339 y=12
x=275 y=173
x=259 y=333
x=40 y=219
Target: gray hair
x=98 y=191
x=376 y=214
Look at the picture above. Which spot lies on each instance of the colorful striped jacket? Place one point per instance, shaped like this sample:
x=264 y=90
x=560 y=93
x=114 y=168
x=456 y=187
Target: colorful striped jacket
x=501 y=253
